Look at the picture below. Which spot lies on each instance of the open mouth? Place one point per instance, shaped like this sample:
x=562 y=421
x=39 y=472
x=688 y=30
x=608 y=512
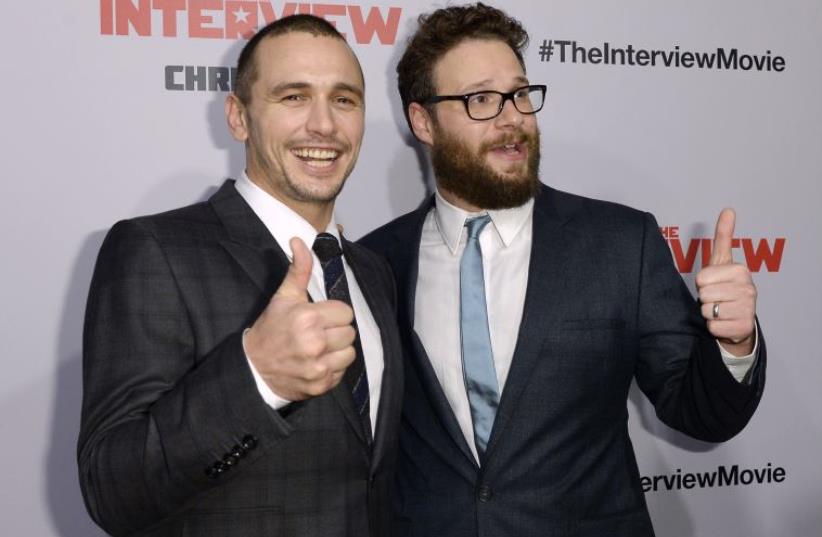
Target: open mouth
x=316 y=157
x=512 y=151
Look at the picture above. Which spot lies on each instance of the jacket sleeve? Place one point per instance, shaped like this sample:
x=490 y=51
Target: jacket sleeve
x=680 y=367
x=162 y=420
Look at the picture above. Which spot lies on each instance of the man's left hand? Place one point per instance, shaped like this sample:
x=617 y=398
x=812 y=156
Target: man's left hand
x=727 y=293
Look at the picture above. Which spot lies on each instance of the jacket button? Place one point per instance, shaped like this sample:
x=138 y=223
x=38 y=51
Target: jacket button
x=215 y=470
x=238 y=451
x=249 y=442
x=230 y=460
x=485 y=493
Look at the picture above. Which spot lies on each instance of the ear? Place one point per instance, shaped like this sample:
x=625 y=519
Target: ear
x=235 y=116
x=422 y=124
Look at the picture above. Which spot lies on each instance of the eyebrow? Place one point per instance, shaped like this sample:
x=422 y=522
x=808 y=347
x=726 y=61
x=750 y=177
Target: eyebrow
x=479 y=86
x=343 y=86
x=339 y=86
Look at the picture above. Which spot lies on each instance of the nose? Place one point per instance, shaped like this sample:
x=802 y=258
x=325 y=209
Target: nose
x=320 y=118
x=509 y=116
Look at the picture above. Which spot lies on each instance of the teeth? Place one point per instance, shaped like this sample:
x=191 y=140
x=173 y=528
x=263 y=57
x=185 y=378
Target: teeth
x=321 y=163
x=316 y=154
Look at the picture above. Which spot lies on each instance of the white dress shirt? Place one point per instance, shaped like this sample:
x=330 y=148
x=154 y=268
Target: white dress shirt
x=506 y=252
x=283 y=223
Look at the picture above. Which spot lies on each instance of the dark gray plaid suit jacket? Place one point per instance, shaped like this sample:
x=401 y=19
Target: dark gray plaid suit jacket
x=175 y=438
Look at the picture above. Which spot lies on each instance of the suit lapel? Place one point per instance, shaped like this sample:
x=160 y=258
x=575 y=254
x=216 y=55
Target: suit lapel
x=431 y=384
x=381 y=310
x=254 y=248
x=407 y=265
x=248 y=240
x=342 y=394
x=546 y=270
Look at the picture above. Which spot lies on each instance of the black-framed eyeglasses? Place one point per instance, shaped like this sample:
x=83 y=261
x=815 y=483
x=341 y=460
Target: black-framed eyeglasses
x=483 y=105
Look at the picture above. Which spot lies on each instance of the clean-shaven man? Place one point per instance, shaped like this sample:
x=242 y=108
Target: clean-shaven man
x=235 y=383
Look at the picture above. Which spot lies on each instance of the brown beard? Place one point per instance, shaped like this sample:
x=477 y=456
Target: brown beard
x=464 y=173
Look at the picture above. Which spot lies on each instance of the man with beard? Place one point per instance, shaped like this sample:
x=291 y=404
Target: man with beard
x=235 y=383
x=527 y=312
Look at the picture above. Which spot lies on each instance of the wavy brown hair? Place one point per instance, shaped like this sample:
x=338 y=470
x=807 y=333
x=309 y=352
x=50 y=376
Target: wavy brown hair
x=442 y=30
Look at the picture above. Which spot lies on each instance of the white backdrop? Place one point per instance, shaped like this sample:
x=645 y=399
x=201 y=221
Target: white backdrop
x=94 y=135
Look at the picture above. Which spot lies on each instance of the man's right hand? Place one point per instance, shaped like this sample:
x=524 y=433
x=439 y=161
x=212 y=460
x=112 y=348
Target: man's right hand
x=301 y=348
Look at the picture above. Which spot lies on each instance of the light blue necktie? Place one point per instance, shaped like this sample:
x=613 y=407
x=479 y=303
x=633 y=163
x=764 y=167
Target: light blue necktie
x=477 y=356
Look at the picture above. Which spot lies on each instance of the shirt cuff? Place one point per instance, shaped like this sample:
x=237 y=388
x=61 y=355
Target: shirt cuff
x=271 y=399
x=739 y=366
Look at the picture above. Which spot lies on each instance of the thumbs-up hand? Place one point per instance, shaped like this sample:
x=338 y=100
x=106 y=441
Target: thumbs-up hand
x=727 y=293
x=301 y=348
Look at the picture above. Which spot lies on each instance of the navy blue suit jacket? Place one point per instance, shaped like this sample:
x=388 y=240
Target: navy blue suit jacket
x=604 y=305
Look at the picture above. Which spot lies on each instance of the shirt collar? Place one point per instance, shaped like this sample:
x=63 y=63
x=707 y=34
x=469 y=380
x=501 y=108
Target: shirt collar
x=280 y=220
x=451 y=221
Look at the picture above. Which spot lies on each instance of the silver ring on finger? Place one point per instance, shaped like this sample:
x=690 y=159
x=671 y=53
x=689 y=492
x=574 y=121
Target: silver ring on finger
x=715 y=311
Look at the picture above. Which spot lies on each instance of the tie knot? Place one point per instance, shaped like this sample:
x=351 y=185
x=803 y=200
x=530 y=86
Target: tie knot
x=475 y=225
x=326 y=247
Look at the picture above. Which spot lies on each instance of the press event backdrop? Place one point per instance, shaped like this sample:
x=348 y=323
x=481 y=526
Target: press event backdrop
x=114 y=108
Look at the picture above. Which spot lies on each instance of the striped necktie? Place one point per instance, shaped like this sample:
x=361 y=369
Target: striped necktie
x=336 y=288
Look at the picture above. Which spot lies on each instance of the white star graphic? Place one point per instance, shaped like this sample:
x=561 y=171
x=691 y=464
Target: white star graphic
x=241 y=15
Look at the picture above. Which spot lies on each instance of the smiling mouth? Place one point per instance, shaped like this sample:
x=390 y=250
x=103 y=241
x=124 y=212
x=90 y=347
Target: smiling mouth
x=316 y=157
x=512 y=150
